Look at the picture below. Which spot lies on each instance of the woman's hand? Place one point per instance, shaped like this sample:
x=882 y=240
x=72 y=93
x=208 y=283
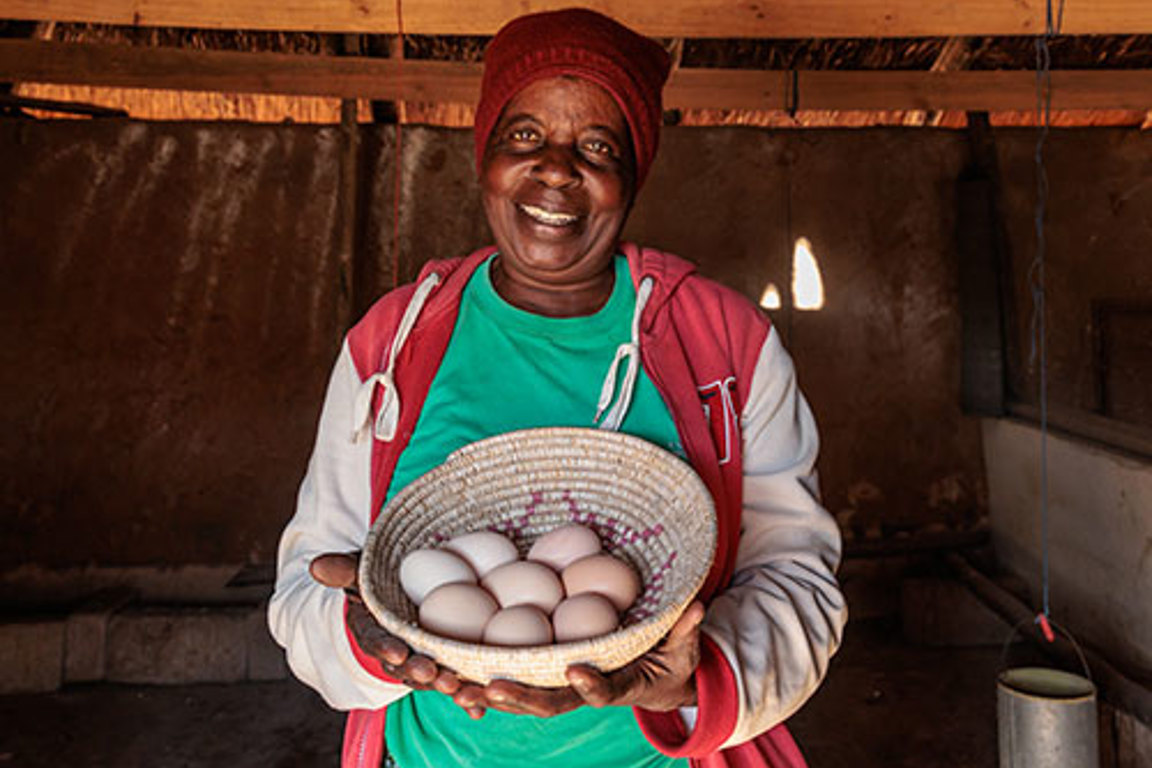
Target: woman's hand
x=662 y=679
x=339 y=571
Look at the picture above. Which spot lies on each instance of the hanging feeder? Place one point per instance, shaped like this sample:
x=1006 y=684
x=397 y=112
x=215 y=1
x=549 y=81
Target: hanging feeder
x=1046 y=717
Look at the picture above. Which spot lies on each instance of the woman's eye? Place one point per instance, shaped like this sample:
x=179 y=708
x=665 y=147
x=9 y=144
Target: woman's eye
x=599 y=148
x=523 y=135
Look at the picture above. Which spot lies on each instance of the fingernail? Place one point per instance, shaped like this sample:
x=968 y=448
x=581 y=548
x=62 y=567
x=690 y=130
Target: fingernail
x=498 y=696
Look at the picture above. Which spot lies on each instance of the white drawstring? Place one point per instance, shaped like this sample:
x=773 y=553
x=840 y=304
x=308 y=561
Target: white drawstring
x=388 y=418
x=630 y=351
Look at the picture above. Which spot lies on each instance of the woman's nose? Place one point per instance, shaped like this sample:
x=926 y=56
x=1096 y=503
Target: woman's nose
x=556 y=166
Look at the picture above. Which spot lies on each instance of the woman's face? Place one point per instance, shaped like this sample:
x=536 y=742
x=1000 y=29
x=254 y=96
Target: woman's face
x=557 y=181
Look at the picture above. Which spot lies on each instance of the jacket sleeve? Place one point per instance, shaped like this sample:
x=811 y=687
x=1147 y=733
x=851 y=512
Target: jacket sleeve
x=779 y=622
x=332 y=515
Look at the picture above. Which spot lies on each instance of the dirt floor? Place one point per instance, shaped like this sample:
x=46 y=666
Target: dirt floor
x=885 y=703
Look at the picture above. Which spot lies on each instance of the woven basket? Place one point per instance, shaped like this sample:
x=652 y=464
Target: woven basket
x=648 y=507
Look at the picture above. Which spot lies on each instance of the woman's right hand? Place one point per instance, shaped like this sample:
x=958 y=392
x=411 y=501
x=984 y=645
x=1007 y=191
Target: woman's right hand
x=339 y=571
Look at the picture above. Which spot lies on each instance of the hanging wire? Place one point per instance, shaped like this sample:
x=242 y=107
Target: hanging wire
x=1039 y=340
x=398 y=157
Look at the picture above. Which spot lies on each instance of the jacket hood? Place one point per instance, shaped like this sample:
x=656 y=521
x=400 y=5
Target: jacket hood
x=667 y=271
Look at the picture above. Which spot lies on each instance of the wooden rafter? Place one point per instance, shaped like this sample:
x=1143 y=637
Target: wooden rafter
x=350 y=77
x=658 y=18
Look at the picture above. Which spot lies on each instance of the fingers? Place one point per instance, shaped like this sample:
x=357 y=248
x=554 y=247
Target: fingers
x=660 y=679
x=471 y=699
x=420 y=670
x=517 y=699
x=447 y=682
x=392 y=650
x=336 y=570
x=688 y=623
x=596 y=689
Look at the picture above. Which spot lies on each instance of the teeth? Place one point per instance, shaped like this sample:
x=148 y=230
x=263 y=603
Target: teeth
x=548 y=217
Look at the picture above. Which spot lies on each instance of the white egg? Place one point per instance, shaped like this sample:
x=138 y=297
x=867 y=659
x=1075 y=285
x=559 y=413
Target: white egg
x=563 y=546
x=525 y=583
x=458 y=611
x=483 y=550
x=423 y=570
x=605 y=575
x=584 y=616
x=518 y=625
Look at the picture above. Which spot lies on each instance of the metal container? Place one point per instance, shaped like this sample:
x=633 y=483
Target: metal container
x=1046 y=719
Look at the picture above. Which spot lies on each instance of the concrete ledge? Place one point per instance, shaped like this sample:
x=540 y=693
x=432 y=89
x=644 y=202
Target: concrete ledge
x=31 y=656
x=85 y=633
x=265 y=658
x=106 y=641
x=174 y=646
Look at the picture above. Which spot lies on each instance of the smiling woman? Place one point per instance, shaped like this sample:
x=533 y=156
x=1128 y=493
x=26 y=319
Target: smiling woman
x=557 y=181
x=561 y=324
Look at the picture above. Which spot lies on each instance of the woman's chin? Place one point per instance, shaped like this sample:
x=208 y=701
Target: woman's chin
x=555 y=263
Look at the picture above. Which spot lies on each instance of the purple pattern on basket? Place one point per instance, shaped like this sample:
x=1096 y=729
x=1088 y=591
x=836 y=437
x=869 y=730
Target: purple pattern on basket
x=650 y=600
x=516 y=526
x=613 y=533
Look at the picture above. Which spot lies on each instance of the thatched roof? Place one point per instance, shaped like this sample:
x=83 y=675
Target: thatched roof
x=986 y=53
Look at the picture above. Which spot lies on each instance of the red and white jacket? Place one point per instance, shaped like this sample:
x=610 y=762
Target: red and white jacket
x=775 y=612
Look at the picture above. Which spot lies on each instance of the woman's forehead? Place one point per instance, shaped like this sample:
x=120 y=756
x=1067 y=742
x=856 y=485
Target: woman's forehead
x=567 y=98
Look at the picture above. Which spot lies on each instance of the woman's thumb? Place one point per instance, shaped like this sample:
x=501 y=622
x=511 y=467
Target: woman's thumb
x=335 y=570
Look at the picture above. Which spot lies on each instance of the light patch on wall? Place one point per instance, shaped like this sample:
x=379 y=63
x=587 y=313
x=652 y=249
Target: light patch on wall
x=770 y=299
x=807 y=284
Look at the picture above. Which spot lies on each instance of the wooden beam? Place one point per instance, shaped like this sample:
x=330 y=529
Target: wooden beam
x=658 y=18
x=345 y=77
x=969 y=91
x=385 y=79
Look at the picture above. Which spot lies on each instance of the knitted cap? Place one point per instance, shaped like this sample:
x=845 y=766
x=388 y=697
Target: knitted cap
x=583 y=44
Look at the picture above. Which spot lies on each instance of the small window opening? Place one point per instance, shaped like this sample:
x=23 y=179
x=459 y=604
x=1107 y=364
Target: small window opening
x=770 y=299
x=807 y=284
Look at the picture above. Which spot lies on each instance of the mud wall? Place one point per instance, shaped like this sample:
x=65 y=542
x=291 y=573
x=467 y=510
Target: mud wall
x=168 y=309
x=172 y=300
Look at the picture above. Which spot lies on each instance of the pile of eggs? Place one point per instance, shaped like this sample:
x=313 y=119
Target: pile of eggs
x=476 y=589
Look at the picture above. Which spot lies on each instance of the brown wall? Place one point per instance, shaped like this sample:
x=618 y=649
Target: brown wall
x=168 y=314
x=172 y=303
x=1099 y=232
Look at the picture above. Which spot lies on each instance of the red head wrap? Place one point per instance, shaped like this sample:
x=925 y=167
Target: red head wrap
x=583 y=44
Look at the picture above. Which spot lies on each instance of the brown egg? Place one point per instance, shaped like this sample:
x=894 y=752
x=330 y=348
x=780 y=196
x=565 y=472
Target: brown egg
x=459 y=611
x=583 y=616
x=525 y=583
x=517 y=626
x=605 y=575
x=423 y=570
x=563 y=546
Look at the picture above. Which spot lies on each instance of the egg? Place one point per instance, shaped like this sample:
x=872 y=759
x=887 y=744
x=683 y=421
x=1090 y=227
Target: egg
x=583 y=616
x=423 y=570
x=563 y=546
x=525 y=583
x=483 y=550
x=518 y=625
x=605 y=575
x=459 y=611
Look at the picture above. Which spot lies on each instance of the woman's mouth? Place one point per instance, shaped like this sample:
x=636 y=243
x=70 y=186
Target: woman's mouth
x=546 y=217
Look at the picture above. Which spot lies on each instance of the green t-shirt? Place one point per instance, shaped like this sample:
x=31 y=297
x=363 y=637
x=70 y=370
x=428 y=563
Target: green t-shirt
x=507 y=369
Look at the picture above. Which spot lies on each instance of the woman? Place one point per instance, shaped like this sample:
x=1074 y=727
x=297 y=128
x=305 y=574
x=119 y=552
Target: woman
x=562 y=325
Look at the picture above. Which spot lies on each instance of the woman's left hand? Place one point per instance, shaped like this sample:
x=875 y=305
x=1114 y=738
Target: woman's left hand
x=662 y=679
